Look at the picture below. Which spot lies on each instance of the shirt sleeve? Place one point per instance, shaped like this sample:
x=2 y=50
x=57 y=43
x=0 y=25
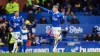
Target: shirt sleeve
x=49 y=11
x=23 y=33
x=11 y=22
x=64 y=19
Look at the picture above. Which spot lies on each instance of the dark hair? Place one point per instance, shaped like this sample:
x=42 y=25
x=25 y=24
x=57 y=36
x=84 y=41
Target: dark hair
x=9 y=1
x=15 y=12
x=91 y=6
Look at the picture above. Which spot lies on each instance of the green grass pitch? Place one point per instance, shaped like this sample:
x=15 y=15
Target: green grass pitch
x=50 y=54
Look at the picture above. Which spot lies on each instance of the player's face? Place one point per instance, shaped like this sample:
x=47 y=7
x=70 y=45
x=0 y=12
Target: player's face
x=24 y=27
x=54 y=9
x=10 y=29
x=17 y=14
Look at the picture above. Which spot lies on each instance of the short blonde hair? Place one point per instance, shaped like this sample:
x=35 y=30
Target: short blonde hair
x=56 y=6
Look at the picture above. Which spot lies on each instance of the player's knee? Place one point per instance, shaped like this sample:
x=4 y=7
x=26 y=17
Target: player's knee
x=56 y=37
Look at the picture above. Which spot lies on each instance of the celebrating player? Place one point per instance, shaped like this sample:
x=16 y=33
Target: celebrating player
x=16 y=23
x=56 y=18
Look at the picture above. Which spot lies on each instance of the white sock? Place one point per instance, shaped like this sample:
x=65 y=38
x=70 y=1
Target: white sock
x=55 y=44
x=14 y=48
x=20 y=40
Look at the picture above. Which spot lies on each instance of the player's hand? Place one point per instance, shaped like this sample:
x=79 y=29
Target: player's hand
x=66 y=28
x=14 y=26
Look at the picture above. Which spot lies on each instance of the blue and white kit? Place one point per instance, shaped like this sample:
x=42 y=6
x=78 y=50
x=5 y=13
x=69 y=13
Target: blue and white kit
x=56 y=20
x=19 y=22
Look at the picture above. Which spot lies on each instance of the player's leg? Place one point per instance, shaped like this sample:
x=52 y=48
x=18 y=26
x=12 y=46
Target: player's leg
x=14 y=47
x=57 y=36
x=9 y=46
x=24 y=44
x=55 y=43
x=16 y=36
x=19 y=40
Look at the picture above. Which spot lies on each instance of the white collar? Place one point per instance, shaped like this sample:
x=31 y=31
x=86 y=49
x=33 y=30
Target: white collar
x=15 y=17
x=56 y=12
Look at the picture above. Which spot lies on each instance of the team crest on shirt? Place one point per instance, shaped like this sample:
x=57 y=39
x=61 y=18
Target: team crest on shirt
x=18 y=20
x=58 y=16
x=55 y=19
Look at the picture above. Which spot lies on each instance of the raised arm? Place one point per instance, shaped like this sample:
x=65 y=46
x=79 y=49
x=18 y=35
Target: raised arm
x=46 y=10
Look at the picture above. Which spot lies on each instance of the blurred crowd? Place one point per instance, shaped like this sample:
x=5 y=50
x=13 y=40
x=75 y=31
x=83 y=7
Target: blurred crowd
x=3 y=30
x=95 y=35
x=67 y=7
x=33 y=39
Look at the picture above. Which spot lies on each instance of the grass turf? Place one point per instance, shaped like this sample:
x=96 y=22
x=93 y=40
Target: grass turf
x=50 y=54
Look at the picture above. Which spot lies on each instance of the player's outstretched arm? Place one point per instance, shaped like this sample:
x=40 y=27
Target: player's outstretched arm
x=47 y=10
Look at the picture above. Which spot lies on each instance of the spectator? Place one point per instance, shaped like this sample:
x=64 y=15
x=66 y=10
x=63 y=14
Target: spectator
x=69 y=10
x=94 y=32
x=98 y=37
x=26 y=7
x=15 y=5
x=94 y=10
x=66 y=2
x=30 y=17
x=41 y=2
x=74 y=20
x=34 y=9
x=2 y=10
x=49 y=6
x=30 y=2
x=6 y=28
x=1 y=43
x=84 y=3
x=35 y=39
x=85 y=9
x=63 y=11
x=29 y=43
x=78 y=5
x=97 y=29
x=43 y=20
x=2 y=30
x=89 y=37
x=9 y=7
x=87 y=14
x=11 y=39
